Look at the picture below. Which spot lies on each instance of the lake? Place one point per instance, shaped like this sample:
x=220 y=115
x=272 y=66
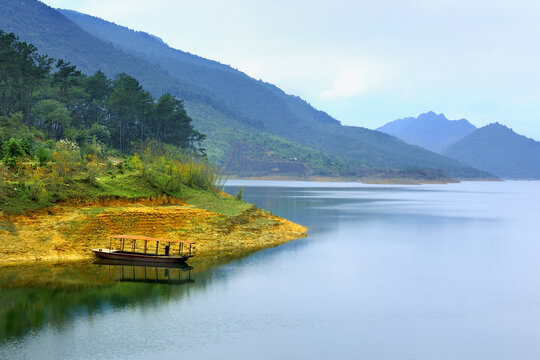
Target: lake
x=387 y=272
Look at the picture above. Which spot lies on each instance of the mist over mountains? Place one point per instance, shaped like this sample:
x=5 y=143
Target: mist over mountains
x=237 y=113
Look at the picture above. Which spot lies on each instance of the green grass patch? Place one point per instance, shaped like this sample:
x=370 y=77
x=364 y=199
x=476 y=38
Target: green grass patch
x=209 y=200
x=93 y=211
x=127 y=185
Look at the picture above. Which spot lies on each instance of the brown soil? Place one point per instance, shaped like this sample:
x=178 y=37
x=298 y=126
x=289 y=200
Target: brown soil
x=69 y=230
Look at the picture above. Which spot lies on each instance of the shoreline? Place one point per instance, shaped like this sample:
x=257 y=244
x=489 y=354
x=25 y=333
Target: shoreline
x=67 y=231
x=377 y=181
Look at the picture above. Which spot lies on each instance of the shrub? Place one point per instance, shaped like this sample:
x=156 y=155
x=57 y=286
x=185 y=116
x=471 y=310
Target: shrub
x=99 y=133
x=239 y=193
x=12 y=152
x=168 y=169
x=79 y=136
x=43 y=156
x=66 y=158
x=93 y=170
x=37 y=191
x=28 y=144
x=3 y=180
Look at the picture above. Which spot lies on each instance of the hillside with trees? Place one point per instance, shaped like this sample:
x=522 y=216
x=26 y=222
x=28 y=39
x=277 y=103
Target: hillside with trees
x=225 y=104
x=65 y=134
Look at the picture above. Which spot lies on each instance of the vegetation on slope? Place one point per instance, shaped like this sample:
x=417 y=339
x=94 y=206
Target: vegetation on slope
x=64 y=134
x=254 y=105
x=365 y=152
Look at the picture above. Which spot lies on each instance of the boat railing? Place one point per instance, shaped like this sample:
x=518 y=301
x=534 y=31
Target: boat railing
x=134 y=238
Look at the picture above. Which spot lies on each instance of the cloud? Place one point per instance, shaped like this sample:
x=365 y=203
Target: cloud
x=360 y=79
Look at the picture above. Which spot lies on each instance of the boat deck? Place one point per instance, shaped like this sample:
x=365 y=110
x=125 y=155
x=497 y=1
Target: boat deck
x=145 y=256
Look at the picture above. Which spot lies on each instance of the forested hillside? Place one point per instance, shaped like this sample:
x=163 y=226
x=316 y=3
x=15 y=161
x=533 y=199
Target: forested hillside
x=430 y=131
x=65 y=134
x=282 y=114
x=54 y=97
x=499 y=150
x=226 y=105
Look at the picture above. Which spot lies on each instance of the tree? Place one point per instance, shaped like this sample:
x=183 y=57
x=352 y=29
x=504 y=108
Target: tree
x=32 y=68
x=53 y=116
x=127 y=104
x=172 y=124
x=65 y=77
x=8 y=63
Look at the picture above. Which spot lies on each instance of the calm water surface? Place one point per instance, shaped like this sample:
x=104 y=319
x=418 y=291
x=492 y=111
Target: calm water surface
x=387 y=272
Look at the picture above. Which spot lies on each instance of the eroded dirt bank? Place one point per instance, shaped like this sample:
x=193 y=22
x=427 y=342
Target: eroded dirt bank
x=69 y=230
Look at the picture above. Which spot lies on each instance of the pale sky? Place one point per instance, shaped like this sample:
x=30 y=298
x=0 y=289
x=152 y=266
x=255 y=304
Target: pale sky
x=363 y=62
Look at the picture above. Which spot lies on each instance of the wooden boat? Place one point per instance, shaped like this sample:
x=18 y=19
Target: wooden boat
x=146 y=256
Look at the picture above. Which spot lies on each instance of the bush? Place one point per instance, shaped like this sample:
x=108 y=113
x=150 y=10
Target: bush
x=168 y=169
x=99 y=133
x=43 y=156
x=239 y=193
x=66 y=158
x=93 y=170
x=37 y=192
x=12 y=151
x=79 y=136
x=28 y=144
x=3 y=180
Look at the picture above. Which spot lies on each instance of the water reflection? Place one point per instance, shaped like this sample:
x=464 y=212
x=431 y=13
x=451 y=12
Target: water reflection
x=140 y=272
x=33 y=297
x=37 y=297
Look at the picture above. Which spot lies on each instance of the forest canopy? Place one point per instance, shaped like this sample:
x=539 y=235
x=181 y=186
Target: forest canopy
x=54 y=100
x=65 y=134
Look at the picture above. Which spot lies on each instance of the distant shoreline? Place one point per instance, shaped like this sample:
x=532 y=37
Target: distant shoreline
x=380 y=181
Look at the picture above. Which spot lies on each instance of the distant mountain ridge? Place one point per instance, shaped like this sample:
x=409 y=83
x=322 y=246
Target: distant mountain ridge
x=226 y=104
x=499 y=150
x=429 y=130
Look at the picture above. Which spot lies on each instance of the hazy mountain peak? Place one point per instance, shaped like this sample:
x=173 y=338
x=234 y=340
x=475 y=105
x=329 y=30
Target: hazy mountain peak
x=431 y=115
x=500 y=150
x=430 y=130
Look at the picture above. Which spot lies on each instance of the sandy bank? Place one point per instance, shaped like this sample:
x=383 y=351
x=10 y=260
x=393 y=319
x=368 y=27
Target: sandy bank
x=69 y=230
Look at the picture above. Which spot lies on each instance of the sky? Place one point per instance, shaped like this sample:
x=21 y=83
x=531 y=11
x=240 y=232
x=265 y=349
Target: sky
x=363 y=62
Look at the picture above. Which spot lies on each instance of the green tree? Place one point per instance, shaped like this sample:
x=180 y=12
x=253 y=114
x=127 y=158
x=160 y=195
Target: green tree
x=65 y=77
x=53 y=116
x=33 y=68
x=172 y=123
x=8 y=66
x=128 y=103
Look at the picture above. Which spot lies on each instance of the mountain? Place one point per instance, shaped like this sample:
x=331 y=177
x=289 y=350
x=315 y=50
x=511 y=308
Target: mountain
x=236 y=112
x=500 y=151
x=429 y=130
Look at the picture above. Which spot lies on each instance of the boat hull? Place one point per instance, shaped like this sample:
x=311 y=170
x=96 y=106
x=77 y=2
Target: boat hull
x=139 y=257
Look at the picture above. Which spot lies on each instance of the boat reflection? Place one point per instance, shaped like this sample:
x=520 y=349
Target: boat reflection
x=143 y=272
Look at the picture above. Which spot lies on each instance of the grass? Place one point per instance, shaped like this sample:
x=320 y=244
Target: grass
x=211 y=201
x=129 y=185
